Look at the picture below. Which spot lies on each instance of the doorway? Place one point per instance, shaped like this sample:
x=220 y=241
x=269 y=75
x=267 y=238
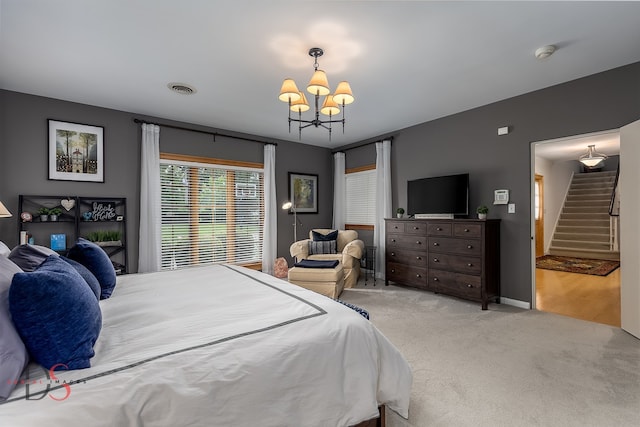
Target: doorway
x=582 y=296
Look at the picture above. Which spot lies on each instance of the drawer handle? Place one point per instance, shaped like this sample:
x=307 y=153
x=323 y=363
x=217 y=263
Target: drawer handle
x=394 y=254
x=469 y=265
x=435 y=279
x=436 y=244
x=469 y=247
x=393 y=240
x=469 y=286
x=418 y=242
x=438 y=229
x=436 y=260
x=418 y=258
x=416 y=228
x=418 y=276
x=393 y=270
x=466 y=230
x=396 y=227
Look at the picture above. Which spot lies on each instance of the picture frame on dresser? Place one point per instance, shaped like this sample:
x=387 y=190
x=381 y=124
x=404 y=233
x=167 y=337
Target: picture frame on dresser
x=76 y=152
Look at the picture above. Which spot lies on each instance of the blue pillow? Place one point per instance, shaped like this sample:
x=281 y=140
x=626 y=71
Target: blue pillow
x=97 y=261
x=56 y=314
x=319 y=237
x=13 y=354
x=88 y=276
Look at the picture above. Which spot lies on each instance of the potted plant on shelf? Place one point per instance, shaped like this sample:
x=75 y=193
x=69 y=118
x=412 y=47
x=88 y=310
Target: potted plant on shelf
x=399 y=212
x=44 y=214
x=482 y=211
x=54 y=213
x=105 y=237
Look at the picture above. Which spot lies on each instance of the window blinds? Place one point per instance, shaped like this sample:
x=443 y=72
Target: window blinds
x=210 y=214
x=361 y=197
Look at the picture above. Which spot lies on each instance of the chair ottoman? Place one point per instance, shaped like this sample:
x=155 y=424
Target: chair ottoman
x=325 y=281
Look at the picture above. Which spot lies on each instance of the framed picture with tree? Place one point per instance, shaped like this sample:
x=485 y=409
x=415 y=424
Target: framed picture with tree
x=76 y=152
x=303 y=192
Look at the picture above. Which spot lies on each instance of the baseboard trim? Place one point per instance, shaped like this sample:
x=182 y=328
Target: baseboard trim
x=515 y=303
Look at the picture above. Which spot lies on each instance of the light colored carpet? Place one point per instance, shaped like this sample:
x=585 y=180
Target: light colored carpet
x=504 y=366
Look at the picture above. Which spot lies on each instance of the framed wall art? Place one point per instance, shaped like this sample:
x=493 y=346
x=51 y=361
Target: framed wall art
x=76 y=152
x=303 y=192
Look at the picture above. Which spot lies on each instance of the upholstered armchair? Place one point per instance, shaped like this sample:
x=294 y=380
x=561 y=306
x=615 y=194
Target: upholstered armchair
x=349 y=250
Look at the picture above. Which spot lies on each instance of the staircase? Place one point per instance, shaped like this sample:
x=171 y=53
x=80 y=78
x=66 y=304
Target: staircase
x=583 y=228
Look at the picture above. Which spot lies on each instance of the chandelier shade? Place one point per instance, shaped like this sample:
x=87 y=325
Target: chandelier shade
x=289 y=91
x=343 y=94
x=318 y=86
x=591 y=158
x=329 y=106
x=301 y=105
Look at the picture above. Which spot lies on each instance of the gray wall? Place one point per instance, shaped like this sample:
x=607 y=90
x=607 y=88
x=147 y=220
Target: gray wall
x=468 y=142
x=23 y=162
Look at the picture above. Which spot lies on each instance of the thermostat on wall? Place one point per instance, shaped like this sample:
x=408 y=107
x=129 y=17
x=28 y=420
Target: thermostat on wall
x=500 y=197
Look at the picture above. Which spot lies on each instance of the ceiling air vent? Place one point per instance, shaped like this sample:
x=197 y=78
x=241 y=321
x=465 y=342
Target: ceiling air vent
x=182 y=88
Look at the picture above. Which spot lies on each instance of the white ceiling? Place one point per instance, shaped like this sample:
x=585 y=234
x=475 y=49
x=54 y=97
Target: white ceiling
x=408 y=62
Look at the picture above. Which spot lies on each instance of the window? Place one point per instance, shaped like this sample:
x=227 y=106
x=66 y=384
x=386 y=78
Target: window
x=211 y=212
x=361 y=197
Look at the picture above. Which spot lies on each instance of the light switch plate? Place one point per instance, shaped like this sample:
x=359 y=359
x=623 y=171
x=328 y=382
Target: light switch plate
x=511 y=208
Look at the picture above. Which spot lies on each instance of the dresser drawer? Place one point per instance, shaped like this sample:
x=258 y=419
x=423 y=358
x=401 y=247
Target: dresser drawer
x=459 y=263
x=439 y=229
x=404 y=256
x=417 y=243
x=455 y=246
x=406 y=274
x=417 y=228
x=394 y=227
x=467 y=230
x=461 y=285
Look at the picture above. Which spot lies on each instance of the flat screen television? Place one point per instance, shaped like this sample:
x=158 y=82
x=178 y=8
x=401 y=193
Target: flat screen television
x=439 y=195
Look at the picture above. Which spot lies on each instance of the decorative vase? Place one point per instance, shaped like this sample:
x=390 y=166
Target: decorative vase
x=53 y=217
x=44 y=218
x=399 y=215
x=482 y=216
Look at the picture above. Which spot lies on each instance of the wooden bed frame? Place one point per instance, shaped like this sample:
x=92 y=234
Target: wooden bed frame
x=374 y=422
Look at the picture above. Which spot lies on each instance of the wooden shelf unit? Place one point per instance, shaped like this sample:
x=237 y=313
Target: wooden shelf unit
x=73 y=224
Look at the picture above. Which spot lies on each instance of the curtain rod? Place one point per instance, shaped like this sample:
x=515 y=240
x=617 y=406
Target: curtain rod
x=360 y=144
x=204 y=131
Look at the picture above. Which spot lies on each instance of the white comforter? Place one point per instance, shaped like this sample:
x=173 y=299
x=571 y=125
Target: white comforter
x=221 y=346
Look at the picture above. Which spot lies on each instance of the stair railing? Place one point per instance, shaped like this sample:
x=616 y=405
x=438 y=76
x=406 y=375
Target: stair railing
x=614 y=214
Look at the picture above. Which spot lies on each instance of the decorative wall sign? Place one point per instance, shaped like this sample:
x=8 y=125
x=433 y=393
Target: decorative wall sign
x=103 y=211
x=76 y=152
x=303 y=192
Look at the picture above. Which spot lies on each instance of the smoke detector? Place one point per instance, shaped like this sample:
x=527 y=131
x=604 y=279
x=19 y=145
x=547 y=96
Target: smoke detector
x=545 y=51
x=182 y=88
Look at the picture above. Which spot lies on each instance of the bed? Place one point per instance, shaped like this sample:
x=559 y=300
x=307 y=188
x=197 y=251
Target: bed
x=220 y=345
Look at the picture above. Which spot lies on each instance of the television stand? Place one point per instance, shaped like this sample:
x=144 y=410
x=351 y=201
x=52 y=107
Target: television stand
x=458 y=257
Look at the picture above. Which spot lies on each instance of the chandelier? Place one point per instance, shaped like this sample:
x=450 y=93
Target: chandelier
x=318 y=86
x=591 y=158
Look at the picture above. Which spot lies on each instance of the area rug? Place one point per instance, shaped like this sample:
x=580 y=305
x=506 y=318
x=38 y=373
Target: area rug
x=595 y=267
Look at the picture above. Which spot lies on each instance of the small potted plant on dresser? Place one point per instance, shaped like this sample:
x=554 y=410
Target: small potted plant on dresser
x=482 y=211
x=399 y=212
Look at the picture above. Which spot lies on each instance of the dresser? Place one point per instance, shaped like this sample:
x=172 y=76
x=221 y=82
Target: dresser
x=458 y=257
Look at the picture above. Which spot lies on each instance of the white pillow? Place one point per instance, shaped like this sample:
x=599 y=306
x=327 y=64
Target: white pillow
x=4 y=249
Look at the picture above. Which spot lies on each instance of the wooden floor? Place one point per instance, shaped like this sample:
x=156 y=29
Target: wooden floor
x=581 y=296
